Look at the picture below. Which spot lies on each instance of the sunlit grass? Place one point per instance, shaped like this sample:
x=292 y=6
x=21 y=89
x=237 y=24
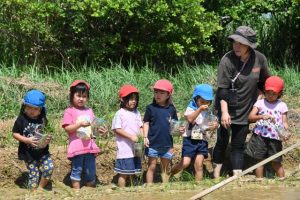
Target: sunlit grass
x=105 y=82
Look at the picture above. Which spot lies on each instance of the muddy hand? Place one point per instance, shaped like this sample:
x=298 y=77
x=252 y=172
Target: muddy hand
x=103 y=130
x=48 y=139
x=33 y=141
x=212 y=125
x=85 y=124
x=134 y=138
x=181 y=129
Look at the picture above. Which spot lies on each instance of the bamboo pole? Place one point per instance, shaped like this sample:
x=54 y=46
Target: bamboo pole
x=226 y=181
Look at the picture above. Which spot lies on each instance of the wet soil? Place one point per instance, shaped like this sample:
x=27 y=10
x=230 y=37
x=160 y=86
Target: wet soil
x=13 y=176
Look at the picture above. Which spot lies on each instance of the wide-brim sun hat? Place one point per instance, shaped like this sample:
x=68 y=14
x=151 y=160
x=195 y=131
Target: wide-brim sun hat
x=165 y=85
x=34 y=98
x=244 y=35
x=274 y=83
x=127 y=89
x=205 y=91
x=76 y=82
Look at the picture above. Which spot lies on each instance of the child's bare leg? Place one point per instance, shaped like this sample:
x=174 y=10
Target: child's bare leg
x=198 y=165
x=43 y=182
x=164 y=164
x=259 y=172
x=151 y=169
x=75 y=184
x=277 y=166
x=184 y=163
x=122 y=180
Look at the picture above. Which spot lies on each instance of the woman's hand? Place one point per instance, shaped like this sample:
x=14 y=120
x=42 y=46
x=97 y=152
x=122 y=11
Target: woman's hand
x=225 y=120
x=146 y=141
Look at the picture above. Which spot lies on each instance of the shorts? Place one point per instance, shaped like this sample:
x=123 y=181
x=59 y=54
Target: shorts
x=128 y=166
x=260 y=147
x=159 y=152
x=85 y=163
x=191 y=148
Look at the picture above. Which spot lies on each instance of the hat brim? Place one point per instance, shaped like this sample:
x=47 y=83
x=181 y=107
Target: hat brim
x=242 y=40
x=275 y=89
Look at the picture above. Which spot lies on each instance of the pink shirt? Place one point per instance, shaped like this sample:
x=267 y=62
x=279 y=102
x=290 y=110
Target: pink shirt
x=276 y=110
x=130 y=122
x=79 y=146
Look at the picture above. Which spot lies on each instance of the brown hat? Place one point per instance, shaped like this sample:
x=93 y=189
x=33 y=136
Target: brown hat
x=244 y=35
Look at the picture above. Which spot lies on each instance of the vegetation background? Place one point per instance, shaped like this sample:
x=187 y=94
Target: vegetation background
x=47 y=44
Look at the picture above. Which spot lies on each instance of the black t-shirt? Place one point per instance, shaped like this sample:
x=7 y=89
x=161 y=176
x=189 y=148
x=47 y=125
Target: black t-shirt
x=252 y=76
x=27 y=127
x=159 y=125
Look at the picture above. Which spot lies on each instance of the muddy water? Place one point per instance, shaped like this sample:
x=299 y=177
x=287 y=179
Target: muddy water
x=267 y=193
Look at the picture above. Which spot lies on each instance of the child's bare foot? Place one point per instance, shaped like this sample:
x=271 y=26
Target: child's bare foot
x=165 y=177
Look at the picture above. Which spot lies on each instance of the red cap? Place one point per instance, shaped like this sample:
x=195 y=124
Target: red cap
x=275 y=84
x=165 y=85
x=76 y=82
x=125 y=90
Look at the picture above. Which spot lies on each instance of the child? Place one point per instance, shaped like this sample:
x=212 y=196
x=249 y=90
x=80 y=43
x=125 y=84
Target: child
x=157 y=137
x=195 y=147
x=82 y=148
x=28 y=130
x=270 y=114
x=127 y=125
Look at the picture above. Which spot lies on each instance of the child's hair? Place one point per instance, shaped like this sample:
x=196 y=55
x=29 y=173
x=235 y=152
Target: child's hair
x=126 y=100
x=35 y=98
x=80 y=86
x=164 y=85
x=126 y=92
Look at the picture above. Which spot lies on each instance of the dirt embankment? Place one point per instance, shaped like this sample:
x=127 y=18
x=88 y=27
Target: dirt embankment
x=13 y=173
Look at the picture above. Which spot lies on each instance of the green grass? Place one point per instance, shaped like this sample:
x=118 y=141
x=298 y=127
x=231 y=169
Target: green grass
x=105 y=82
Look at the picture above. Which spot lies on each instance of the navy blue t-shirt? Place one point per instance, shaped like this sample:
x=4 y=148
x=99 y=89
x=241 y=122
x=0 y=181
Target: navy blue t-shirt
x=159 y=118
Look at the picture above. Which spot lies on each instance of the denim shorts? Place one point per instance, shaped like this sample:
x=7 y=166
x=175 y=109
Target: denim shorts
x=190 y=147
x=86 y=164
x=159 y=152
x=260 y=147
x=128 y=166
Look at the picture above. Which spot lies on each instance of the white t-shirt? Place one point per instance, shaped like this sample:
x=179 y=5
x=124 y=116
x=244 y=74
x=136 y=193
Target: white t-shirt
x=198 y=120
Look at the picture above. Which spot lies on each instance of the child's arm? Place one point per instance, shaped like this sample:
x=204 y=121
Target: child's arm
x=286 y=126
x=254 y=117
x=192 y=117
x=146 y=130
x=33 y=141
x=123 y=133
x=285 y=121
x=73 y=127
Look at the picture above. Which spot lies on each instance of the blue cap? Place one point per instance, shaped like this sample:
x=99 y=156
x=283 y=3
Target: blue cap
x=205 y=91
x=34 y=98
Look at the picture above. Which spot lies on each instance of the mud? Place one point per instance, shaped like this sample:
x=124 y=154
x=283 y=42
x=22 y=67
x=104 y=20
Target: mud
x=13 y=176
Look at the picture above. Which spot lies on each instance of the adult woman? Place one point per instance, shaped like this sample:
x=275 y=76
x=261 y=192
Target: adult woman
x=241 y=74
